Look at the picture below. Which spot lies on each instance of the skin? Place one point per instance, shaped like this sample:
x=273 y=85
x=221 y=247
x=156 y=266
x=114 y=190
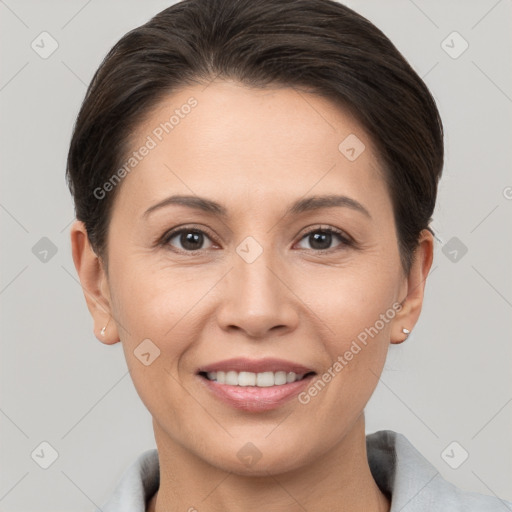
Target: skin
x=254 y=151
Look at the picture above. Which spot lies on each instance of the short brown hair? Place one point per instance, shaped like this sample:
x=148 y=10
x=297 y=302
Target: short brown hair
x=320 y=45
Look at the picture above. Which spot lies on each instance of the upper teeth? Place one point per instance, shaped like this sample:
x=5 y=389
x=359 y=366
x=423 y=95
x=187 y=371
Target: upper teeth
x=264 y=379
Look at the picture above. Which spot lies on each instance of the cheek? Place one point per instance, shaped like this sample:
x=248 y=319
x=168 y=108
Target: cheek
x=154 y=308
x=350 y=299
x=356 y=306
x=160 y=303
x=165 y=306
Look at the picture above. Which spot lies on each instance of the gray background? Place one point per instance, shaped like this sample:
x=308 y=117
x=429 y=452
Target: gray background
x=451 y=381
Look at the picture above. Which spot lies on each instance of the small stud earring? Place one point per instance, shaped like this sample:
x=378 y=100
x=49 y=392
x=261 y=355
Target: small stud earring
x=102 y=332
x=406 y=332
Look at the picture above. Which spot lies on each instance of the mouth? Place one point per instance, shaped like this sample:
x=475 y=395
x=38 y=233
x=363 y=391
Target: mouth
x=255 y=385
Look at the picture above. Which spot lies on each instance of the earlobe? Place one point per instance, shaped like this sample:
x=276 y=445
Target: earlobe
x=94 y=284
x=408 y=315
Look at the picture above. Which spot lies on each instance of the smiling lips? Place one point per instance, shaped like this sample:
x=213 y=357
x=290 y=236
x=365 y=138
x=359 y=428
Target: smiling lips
x=255 y=385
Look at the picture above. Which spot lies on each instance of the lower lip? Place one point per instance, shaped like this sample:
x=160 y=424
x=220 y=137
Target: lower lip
x=254 y=398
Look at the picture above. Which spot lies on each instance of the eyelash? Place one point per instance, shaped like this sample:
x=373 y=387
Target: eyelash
x=345 y=240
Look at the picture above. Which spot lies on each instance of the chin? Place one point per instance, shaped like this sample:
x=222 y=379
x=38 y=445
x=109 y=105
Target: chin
x=258 y=458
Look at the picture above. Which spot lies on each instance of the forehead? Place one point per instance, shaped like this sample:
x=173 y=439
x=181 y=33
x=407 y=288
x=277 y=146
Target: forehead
x=264 y=143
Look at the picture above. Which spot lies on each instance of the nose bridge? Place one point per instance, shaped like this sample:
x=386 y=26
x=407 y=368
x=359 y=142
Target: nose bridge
x=252 y=269
x=256 y=300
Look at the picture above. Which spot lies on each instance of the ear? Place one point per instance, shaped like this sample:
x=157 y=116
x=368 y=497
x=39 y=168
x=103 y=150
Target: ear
x=95 y=286
x=414 y=288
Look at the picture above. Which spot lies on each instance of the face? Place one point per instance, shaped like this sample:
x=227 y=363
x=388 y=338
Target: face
x=191 y=286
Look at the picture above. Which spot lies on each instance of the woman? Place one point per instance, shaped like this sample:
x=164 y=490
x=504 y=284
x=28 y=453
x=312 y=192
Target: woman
x=253 y=185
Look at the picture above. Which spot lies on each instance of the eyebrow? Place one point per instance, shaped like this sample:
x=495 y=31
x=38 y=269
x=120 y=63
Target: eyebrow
x=300 y=206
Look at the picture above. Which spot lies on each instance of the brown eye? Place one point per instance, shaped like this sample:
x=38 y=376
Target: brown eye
x=186 y=239
x=320 y=239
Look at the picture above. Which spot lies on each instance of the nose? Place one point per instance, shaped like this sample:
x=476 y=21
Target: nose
x=256 y=298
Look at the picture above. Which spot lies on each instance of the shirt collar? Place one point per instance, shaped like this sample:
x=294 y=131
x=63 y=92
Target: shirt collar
x=402 y=473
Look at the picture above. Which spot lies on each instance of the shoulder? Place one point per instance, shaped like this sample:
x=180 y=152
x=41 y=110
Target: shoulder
x=414 y=484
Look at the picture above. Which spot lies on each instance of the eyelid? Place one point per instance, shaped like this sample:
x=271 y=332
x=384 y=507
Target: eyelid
x=327 y=227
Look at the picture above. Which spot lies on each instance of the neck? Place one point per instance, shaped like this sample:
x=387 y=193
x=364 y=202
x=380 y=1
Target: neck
x=340 y=480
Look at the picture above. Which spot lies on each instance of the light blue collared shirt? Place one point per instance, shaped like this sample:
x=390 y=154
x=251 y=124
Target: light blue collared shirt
x=410 y=481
